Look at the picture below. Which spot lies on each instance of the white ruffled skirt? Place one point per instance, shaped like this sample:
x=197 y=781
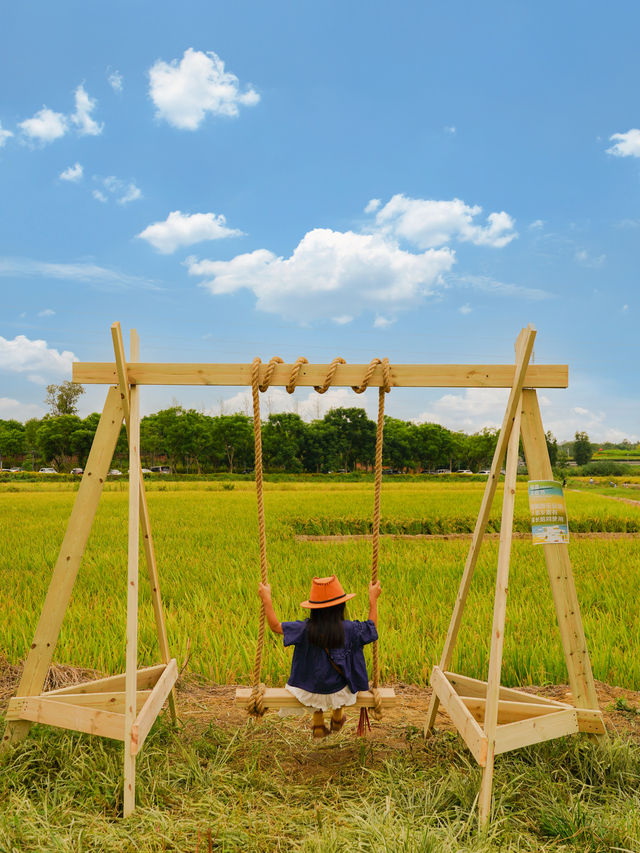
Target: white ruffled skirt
x=318 y=701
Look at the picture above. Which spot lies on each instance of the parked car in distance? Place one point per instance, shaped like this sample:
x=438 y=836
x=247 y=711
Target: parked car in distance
x=47 y=471
x=464 y=471
x=114 y=473
x=485 y=471
x=443 y=471
x=77 y=471
x=15 y=470
x=160 y=469
x=146 y=470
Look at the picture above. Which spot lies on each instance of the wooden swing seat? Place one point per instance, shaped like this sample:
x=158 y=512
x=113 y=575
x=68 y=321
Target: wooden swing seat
x=278 y=697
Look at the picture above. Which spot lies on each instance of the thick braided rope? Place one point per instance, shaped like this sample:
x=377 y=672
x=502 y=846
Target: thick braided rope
x=256 y=701
x=330 y=374
x=268 y=374
x=384 y=389
x=359 y=389
x=295 y=370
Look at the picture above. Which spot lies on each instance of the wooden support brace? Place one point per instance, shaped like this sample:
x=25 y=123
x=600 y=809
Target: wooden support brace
x=145 y=678
x=147 y=539
x=148 y=713
x=461 y=717
x=111 y=701
x=466 y=686
x=535 y=730
x=527 y=338
x=93 y=721
x=68 y=562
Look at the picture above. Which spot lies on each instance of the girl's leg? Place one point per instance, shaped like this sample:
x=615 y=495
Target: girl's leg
x=318 y=726
x=338 y=718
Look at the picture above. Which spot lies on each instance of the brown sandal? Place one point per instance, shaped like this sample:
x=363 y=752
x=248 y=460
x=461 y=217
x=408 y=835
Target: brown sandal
x=336 y=725
x=320 y=731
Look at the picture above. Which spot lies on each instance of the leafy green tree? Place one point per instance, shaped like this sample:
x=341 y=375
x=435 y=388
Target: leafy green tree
x=480 y=448
x=353 y=436
x=54 y=438
x=81 y=439
x=234 y=433
x=552 y=448
x=283 y=441
x=582 y=449
x=399 y=448
x=316 y=447
x=62 y=399
x=12 y=441
x=433 y=444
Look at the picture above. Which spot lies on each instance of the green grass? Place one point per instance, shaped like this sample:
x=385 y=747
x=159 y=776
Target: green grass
x=269 y=788
x=206 y=542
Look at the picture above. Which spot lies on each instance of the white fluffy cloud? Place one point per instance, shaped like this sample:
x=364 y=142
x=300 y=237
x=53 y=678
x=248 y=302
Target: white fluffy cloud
x=73 y=173
x=115 y=81
x=470 y=410
x=330 y=274
x=428 y=223
x=185 y=91
x=87 y=126
x=45 y=126
x=22 y=355
x=625 y=144
x=184 y=229
x=14 y=409
x=120 y=190
x=305 y=402
x=4 y=135
x=84 y=273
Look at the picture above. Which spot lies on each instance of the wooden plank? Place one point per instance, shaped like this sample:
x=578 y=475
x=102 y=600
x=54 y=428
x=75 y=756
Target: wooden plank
x=68 y=562
x=461 y=717
x=528 y=732
x=112 y=701
x=132 y=589
x=473 y=687
x=590 y=721
x=500 y=608
x=93 y=721
x=145 y=678
x=149 y=711
x=520 y=369
x=508 y=712
x=559 y=569
x=402 y=375
x=278 y=697
x=147 y=539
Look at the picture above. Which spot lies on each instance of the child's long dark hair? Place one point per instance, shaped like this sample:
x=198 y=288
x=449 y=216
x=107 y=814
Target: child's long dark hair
x=325 y=627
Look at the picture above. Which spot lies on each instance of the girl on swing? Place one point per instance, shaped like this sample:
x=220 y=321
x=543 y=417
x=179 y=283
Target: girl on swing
x=328 y=667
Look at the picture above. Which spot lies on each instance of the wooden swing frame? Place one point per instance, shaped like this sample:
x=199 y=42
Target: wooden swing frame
x=490 y=718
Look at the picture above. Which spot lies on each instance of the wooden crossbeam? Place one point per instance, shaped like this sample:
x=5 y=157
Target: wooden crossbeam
x=466 y=686
x=535 y=730
x=146 y=678
x=402 y=375
x=509 y=712
x=278 y=697
x=111 y=701
x=93 y=721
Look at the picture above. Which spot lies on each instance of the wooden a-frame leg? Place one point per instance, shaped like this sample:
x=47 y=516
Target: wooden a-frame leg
x=499 y=616
x=68 y=562
x=132 y=590
x=524 y=348
x=559 y=566
x=147 y=539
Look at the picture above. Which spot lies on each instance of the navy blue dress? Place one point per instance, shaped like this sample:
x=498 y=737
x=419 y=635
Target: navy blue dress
x=311 y=669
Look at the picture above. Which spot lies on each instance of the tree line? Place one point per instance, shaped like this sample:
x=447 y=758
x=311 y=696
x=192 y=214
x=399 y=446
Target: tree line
x=193 y=442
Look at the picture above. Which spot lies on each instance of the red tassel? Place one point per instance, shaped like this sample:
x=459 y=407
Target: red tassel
x=363 y=723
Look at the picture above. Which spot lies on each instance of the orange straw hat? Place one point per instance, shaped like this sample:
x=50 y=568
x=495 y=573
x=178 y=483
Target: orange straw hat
x=326 y=592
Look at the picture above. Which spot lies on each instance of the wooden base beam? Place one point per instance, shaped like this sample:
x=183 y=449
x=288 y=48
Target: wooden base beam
x=460 y=715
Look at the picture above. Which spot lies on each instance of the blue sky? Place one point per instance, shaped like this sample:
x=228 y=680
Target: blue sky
x=415 y=181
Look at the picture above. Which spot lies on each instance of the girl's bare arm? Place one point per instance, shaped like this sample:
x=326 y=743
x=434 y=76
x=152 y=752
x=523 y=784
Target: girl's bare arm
x=264 y=591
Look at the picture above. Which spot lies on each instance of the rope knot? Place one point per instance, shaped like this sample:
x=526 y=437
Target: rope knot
x=376 y=711
x=256 y=706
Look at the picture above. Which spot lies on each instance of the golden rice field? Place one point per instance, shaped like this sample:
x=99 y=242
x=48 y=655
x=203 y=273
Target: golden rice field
x=207 y=549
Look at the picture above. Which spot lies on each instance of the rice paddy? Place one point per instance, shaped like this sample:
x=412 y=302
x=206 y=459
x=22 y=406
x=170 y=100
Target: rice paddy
x=206 y=544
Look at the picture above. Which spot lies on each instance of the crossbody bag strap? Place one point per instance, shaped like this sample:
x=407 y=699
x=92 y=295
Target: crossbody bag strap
x=334 y=664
